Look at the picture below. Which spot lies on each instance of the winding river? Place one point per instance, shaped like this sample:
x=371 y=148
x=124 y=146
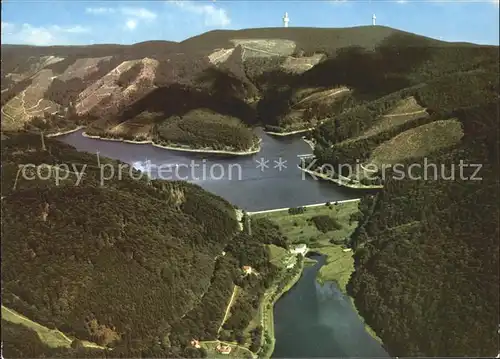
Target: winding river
x=324 y=323
x=310 y=320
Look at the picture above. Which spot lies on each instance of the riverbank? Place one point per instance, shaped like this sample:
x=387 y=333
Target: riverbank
x=255 y=149
x=267 y=310
x=311 y=143
x=339 y=263
x=341 y=181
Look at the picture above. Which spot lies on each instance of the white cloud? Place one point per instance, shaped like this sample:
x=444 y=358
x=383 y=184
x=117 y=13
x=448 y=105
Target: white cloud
x=131 y=24
x=99 y=10
x=132 y=16
x=211 y=14
x=140 y=13
x=134 y=12
x=6 y=26
x=40 y=35
x=77 y=29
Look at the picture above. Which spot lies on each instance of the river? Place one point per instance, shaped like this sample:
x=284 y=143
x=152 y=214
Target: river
x=236 y=178
x=324 y=323
x=310 y=320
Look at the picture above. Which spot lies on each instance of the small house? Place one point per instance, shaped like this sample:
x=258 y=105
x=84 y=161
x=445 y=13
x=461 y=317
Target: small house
x=247 y=269
x=224 y=349
x=300 y=249
x=196 y=343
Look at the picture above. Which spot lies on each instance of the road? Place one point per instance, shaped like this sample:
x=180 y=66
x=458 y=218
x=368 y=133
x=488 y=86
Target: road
x=307 y=205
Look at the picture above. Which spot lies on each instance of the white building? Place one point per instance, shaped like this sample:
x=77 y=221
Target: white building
x=300 y=249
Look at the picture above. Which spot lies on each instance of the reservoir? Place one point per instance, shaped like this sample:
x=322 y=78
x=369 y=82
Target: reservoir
x=324 y=323
x=238 y=179
x=310 y=320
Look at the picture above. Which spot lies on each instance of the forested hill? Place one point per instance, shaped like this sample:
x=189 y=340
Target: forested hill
x=118 y=264
x=427 y=254
x=137 y=267
x=260 y=76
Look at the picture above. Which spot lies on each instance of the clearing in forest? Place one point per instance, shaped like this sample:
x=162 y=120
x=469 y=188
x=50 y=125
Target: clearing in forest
x=418 y=142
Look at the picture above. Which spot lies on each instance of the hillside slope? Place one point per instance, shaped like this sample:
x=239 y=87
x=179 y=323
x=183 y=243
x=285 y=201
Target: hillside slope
x=109 y=263
x=84 y=82
x=427 y=261
x=103 y=254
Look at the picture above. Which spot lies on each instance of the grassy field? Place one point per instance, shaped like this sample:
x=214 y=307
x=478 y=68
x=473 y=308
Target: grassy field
x=51 y=337
x=339 y=264
x=278 y=256
x=299 y=230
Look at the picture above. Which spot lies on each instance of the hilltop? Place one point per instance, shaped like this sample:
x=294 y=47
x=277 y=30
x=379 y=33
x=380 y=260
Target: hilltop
x=58 y=88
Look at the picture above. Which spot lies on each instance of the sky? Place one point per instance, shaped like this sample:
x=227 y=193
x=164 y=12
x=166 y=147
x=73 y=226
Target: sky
x=73 y=22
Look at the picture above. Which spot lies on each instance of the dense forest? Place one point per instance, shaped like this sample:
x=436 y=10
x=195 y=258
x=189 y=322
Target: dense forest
x=126 y=276
x=205 y=129
x=427 y=252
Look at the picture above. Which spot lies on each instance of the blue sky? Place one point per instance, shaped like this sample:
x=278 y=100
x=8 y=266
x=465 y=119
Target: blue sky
x=88 y=22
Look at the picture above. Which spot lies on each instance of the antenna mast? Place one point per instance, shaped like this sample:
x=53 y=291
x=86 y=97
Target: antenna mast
x=374 y=19
x=43 y=141
x=286 y=20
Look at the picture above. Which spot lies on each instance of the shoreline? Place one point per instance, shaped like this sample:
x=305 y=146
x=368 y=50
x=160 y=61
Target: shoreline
x=338 y=264
x=322 y=281
x=268 y=313
x=64 y=132
x=339 y=181
x=180 y=149
x=309 y=142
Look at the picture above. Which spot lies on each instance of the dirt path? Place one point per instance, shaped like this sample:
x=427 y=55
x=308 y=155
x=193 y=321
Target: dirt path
x=228 y=309
x=405 y=113
x=329 y=93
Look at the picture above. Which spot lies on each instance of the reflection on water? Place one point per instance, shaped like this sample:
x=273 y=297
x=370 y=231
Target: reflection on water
x=236 y=178
x=314 y=320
